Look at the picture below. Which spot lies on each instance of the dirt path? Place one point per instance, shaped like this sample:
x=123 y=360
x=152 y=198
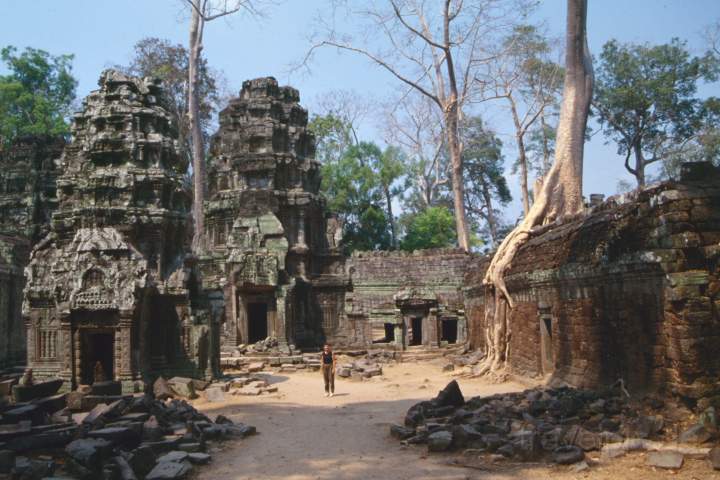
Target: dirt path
x=304 y=435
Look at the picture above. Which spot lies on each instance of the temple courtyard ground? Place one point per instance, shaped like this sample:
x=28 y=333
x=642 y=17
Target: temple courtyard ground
x=303 y=435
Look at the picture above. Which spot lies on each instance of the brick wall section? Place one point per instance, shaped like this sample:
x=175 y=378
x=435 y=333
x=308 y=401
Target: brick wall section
x=377 y=276
x=632 y=291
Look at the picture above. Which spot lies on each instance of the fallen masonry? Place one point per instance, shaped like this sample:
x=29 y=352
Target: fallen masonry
x=560 y=425
x=108 y=436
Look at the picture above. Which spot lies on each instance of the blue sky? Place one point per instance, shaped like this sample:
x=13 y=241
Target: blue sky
x=102 y=32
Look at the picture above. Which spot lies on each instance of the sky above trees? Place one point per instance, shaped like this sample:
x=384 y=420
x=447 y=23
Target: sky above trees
x=102 y=34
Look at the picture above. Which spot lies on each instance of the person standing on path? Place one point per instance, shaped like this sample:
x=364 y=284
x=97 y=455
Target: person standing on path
x=327 y=365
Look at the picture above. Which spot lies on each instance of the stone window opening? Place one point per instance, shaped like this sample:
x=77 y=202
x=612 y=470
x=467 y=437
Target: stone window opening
x=415 y=335
x=547 y=354
x=97 y=348
x=449 y=330
x=257 y=321
x=384 y=333
x=47 y=344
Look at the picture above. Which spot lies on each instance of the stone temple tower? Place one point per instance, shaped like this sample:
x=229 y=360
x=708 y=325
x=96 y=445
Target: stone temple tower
x=109 y=284
x=272 y=255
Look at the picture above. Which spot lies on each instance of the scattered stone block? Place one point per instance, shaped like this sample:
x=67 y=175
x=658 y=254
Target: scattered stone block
x=665 y=459
x=714 y=457
x=215 y=394
x=169 y=471
x=439 y=441
x=198 y=458
x=183 y=387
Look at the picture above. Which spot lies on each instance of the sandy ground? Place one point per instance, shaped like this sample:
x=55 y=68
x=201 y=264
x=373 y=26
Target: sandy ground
x=304 y=435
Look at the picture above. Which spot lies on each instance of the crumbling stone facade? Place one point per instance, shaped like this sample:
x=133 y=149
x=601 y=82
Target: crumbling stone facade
x=110 y=287
x=402 y=299
x=629 y=291
x=272 y=264
x=27 y=200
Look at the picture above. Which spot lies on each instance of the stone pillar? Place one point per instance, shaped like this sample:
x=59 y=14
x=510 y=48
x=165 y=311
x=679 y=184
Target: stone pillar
x=399 y=329
x=123 y=351
x=65 y=352
x=431 y=336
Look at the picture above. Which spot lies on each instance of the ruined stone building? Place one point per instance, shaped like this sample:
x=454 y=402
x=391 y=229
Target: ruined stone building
x=403 y=299
x=109 y=286
x=27 y=199
x=630 y=291
x=272 y=255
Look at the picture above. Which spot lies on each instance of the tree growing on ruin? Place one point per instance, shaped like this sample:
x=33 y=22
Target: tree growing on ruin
x=525 y=77
x=435 y=51
x=202 y=12
x=36 y=95
x=560 y=196
x=156 y=57
x=646 y=100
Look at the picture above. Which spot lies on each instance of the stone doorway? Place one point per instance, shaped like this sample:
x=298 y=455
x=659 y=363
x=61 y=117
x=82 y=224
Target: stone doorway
x=449 y=331
x=416 y=331
x=257 y=314
x=97 y=346
x=547 y=359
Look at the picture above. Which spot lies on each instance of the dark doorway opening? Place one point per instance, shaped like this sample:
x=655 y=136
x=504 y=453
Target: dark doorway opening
x=97 y=347
x=257 y=322
x=416 y=333
x=389 y=332
x=449 y=330
x=546 y=346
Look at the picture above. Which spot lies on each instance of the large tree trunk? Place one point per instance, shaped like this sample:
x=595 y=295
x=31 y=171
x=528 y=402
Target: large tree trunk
x=639 y=166
x=522 y=159
x=561 y=193
x=492 y=222
x=457 y=178
x=391 y=218
x=198 y=152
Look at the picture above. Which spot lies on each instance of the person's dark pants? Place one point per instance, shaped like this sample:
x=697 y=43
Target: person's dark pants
x=329 y=377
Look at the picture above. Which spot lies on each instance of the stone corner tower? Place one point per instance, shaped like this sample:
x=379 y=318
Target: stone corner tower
x=271 y=247
x=110 y=283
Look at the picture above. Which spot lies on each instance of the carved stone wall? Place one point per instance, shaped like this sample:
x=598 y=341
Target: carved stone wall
x=401 y=298
x=630 y=291
x=27 y=199
x=270 y=246
x=110 y=283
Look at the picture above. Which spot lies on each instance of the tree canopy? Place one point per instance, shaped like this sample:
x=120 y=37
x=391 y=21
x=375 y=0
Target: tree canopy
x=157 y=57
x=434 y=227
x=646 y=99
x=37 y=94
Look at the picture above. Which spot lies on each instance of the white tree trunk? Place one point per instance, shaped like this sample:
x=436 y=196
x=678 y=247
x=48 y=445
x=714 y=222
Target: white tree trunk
x=198 y=151
x=561 y=193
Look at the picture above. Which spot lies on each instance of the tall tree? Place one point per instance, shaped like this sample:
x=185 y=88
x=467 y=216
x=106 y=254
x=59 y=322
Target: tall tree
x=414 y=124
x=485 y=187
x=202 y=12
x=646 y=99
x=36 y=95
x=561 y=193
x=434 y=51
x=156 y=57
x=524 y=75
x=356 y=193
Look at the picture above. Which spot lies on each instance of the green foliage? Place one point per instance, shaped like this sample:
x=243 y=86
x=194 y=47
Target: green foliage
x=156 y=57
x=645 y=99
x=333 y=134
x=432 y=228
x=358 y=182
x=36 y=96
x=485 y=184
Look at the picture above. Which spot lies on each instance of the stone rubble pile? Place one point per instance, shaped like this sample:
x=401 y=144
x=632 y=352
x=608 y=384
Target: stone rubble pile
x=556 y=424
x=363 y=368
x=95 y=432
